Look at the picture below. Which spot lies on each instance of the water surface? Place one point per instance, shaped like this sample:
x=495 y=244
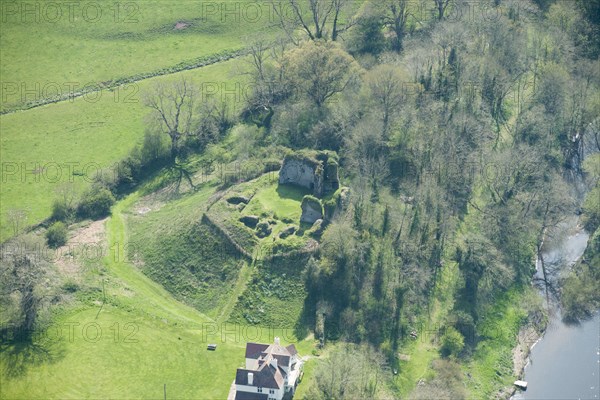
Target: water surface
x=565 y=363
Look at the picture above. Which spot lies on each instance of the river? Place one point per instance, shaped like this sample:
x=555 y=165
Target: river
x=565 y=362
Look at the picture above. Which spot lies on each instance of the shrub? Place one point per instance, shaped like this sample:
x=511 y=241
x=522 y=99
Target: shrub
x=95 y=204
x=70 y=286
x=452 y=342
x=263 y=229
x=56 y=235
x=61 y=211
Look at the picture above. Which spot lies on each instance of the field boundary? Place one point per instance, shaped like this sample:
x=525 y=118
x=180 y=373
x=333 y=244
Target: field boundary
x=196 y=63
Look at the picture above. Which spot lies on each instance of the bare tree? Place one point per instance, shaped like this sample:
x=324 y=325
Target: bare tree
x=349 y=372
x=314 y=24
x=22 y=270
x=338 y=7
x=16 y=219
x=266 y=72
x=173 y=106
x=441 y=6
x=366 y=153
x=387 y=86
x=66 y=194
x=396 y=18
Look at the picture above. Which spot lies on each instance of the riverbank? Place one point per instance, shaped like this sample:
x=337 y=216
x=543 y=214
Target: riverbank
x=559 y=343
x=527 y=338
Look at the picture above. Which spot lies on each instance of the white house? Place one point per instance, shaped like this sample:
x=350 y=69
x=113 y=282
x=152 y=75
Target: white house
x=272 y=372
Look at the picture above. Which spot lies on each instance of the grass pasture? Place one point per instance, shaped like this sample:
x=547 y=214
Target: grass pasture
x=80 y=136
x=50 y=46
x=124 y=355
x=132 y=326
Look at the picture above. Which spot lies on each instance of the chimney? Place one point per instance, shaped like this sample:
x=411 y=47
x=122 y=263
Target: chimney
x=250 y=378
x=277 y=340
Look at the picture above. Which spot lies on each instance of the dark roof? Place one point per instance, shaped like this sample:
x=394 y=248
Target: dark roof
x=281 y=360
x=250 y=396
x=292 y=349
x=265 y=376
x=253 y=350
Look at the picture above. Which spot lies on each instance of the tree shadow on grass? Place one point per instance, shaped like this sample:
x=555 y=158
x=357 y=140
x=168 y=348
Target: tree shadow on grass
x=293 y=192
x=18 y=355
x=306 y=319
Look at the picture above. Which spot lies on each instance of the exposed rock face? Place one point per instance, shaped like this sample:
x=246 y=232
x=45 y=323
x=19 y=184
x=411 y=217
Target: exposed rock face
x=317 y=229
x=317 y=171
x=312 y=210
x=299 y=173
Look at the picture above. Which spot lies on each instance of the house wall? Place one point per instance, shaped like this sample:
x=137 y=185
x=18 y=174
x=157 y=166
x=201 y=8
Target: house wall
x=253 y=389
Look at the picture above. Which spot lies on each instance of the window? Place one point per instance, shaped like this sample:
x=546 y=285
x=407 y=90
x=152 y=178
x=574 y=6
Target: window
x=271 y=391
x=259 y=390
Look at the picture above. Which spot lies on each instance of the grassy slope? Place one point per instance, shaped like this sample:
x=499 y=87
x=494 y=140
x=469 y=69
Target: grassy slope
x=185 y=255
x=199 y=268
x=91 y=134
x=274 y=286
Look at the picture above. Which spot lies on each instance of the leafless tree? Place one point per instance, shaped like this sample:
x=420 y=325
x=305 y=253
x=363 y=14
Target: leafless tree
x=66 y=194
x=441 y=6
x=22 y=269
x=173 y=107
x=349 y=373
x=314 y=24
x=396 y=18
x=387 y=86
x=267 y=74
x=16 y=218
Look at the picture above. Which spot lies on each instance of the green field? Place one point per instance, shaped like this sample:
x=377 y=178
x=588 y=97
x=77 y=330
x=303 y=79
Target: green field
x=282 y=200
x=79 y=136
x=104 y=41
